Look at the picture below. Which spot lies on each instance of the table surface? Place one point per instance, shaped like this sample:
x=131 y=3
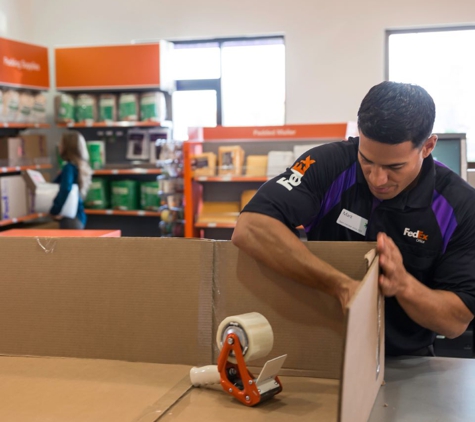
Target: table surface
x=427 y=389
x=59 y=233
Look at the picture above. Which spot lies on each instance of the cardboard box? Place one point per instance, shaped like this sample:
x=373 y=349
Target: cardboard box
x=219 y=212
x=34 y=146
x=131 y=333
x=11 y=152
x=256 y=165
x=246 y=196
x=204 y=164
x=14 y=197
x=230 y=160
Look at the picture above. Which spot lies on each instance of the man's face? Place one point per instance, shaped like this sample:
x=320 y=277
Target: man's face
x=389 y=169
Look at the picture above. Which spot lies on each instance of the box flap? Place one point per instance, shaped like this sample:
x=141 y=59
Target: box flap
x=77 y=390
x=308 y=325
x=133 y=299
x=363 y=366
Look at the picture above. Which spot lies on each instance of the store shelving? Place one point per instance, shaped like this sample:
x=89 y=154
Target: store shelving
x=16 y=169
x=19 y=125
x=227 y=189
x=114 y=124
x=133 y=213
x=131 y=171
x=22 y=219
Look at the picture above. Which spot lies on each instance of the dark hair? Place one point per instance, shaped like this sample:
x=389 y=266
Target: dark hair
x=394 y=112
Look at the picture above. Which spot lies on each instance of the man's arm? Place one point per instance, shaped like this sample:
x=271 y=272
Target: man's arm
x=438 y=310
x=268 y=240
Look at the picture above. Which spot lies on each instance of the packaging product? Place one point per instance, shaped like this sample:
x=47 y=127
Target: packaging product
x=246 y=196
x=149 y=196
x=87 y=338
x=230 y=160
x=138 y=145
x=256 y=165
x=153 y=107
x=25 y=107
x=38 y=113
x=11 y=152
x=219 y=212
x=97 y=154
x=64 y=105
x=278 y=162
x=35 y=147
x=107 y=107
x=125 y=195
x=11 y=104
x=98 y=194
x=44 y=193
x=129 y=107
x=86 y=108
x=14 y=197
x=157 y=137
x=204 y=164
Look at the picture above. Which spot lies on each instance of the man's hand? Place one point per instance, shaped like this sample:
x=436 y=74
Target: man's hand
x=347 y=291
x=56 y=217
x=394 y=277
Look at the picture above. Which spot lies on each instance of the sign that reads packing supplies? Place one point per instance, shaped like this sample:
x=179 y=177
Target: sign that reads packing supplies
x=23 y=65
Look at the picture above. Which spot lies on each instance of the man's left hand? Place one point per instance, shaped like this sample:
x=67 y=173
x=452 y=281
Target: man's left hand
x=394 y=277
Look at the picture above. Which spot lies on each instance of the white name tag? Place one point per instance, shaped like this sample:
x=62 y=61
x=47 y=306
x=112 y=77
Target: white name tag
x=353 y=222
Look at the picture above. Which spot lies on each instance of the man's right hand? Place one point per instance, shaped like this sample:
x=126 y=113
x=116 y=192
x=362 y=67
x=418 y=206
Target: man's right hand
x=347 y=290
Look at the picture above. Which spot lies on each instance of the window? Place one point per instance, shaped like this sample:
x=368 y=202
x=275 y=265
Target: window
x=229 y=82
x=441 y=61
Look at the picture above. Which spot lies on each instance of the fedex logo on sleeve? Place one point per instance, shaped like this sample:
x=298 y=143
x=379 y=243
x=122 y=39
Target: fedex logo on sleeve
x=419 y=235
x=298 y=170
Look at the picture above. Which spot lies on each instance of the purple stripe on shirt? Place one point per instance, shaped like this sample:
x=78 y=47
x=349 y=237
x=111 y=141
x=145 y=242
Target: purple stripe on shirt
x=333 y=195
x=444 y=213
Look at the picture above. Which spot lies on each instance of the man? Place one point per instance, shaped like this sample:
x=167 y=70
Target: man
x=383 y=186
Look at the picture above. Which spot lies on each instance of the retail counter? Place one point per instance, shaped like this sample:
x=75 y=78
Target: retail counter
x=426 y=390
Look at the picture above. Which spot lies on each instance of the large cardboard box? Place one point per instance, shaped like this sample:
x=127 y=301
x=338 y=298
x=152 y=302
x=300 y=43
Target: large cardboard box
x=13 y=194
x=103 y=329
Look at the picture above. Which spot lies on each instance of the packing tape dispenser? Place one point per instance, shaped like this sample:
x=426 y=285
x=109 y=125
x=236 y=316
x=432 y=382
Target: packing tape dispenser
x=242 y=338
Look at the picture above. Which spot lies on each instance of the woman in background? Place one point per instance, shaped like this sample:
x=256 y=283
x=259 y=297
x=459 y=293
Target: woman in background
x=73 y=150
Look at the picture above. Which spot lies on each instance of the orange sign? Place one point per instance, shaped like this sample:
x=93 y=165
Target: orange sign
x=120 y=66
x=310 y=131
x=23 y=65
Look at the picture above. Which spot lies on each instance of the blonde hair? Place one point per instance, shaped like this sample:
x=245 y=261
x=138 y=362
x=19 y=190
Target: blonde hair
x=73 y=149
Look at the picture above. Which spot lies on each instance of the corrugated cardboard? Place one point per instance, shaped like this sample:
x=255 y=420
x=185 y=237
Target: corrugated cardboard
x=158 y=302
x=13 y=196
x=34 y=146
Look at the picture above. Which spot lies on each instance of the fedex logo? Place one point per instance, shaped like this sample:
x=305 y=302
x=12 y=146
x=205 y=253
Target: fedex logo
x=419 y=235
x=298 y=170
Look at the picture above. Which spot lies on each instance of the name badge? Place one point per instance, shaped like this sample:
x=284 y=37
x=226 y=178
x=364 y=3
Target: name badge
x=353 y=222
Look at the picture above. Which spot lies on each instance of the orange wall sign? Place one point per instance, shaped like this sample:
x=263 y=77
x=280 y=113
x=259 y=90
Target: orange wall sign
x=310 y=131
x=119 y=66
x=23 y=65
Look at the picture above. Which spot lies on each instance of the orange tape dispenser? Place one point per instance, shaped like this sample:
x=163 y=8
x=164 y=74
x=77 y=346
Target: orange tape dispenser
x=243 y=338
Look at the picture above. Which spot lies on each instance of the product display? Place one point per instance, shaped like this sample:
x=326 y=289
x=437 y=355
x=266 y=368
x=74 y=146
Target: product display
x=278 y=161
x=98 y=194
x=149 y=197
x=256 y=165
x=107 y=107
x=26 y=102
x=125 y=195
x=64 y=108
x=97 y=154
x=38 y=113
x=204 y=164
x=86 y=108
x=230 y=160
x=138 y=145
x=11 y=104
x=129 y=107
x=13 y=194
x=153 y=107
x=157 y=138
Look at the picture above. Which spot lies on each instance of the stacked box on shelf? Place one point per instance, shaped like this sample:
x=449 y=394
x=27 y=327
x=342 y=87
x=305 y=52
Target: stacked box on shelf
x=98 y=194
x=125 y=195
x=149 y=196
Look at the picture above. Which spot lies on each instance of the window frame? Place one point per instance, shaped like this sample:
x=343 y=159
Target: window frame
x=215 y=84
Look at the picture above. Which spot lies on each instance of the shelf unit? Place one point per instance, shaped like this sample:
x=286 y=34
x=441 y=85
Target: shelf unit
x=111 y=172
x=127 y=124
x=137 y=213
x=22 y=80
x=254 y=141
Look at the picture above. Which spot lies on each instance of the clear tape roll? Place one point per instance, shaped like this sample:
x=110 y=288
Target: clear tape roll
x=260 y=336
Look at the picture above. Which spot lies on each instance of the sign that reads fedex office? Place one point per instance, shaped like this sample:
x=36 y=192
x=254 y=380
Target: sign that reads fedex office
x=23 y=65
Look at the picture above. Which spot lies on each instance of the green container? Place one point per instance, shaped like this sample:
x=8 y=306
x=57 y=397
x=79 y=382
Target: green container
x=128 y=107
x=98 y=194
x=125 y=195
x=85 y=105
x=65 y=108
x=107 y=108
x=149 y=198
x=97 y=154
